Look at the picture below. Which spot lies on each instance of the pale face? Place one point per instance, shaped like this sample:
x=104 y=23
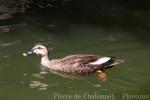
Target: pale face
x=40 y=50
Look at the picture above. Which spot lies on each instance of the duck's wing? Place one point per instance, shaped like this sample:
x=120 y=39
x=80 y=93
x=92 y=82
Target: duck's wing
x=84 y=59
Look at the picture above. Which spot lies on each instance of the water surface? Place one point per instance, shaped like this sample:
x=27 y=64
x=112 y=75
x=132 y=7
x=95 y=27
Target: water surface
x=123 y=37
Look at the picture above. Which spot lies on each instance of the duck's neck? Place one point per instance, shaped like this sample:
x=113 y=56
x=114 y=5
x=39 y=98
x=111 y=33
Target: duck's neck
x=45 y=60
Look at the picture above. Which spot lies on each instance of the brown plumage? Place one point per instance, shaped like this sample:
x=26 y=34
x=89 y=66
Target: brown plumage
x=80 y=64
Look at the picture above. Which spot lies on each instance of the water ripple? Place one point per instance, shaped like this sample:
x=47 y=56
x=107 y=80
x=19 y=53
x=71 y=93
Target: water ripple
x=38 y=84
x=10 y=43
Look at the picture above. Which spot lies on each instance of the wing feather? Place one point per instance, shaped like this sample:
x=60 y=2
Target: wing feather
x=81 y=58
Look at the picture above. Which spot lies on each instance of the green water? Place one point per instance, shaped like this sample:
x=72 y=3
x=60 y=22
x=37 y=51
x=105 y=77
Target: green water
x=123 y=37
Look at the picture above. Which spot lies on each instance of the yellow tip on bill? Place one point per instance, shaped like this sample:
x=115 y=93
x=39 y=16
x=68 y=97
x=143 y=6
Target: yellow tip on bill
x=24 y=54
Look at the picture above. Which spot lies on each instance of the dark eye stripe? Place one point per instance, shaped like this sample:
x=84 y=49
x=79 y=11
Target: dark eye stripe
x=40 y=48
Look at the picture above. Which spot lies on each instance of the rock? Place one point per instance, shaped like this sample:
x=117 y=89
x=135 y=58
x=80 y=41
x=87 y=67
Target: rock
x=5 y=16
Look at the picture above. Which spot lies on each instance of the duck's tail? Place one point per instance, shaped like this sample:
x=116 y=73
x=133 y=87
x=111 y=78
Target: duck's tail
x=112 y=62
x=116 y=62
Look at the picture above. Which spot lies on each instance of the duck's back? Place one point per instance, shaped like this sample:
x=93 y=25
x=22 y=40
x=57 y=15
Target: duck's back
x=79 y=63
x=82 y=64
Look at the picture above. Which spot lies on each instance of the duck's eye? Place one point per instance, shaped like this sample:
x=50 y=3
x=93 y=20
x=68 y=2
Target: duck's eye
x=39 y=48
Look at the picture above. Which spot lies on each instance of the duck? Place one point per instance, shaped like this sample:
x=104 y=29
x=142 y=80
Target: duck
x=78 y=63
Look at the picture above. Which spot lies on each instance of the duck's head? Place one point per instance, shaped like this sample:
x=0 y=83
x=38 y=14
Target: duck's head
x=38 y=49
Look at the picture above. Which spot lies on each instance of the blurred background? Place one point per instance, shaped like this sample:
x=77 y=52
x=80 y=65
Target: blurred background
x=104 y=27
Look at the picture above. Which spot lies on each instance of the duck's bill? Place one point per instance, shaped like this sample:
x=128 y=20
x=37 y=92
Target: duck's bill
x=28 y=53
